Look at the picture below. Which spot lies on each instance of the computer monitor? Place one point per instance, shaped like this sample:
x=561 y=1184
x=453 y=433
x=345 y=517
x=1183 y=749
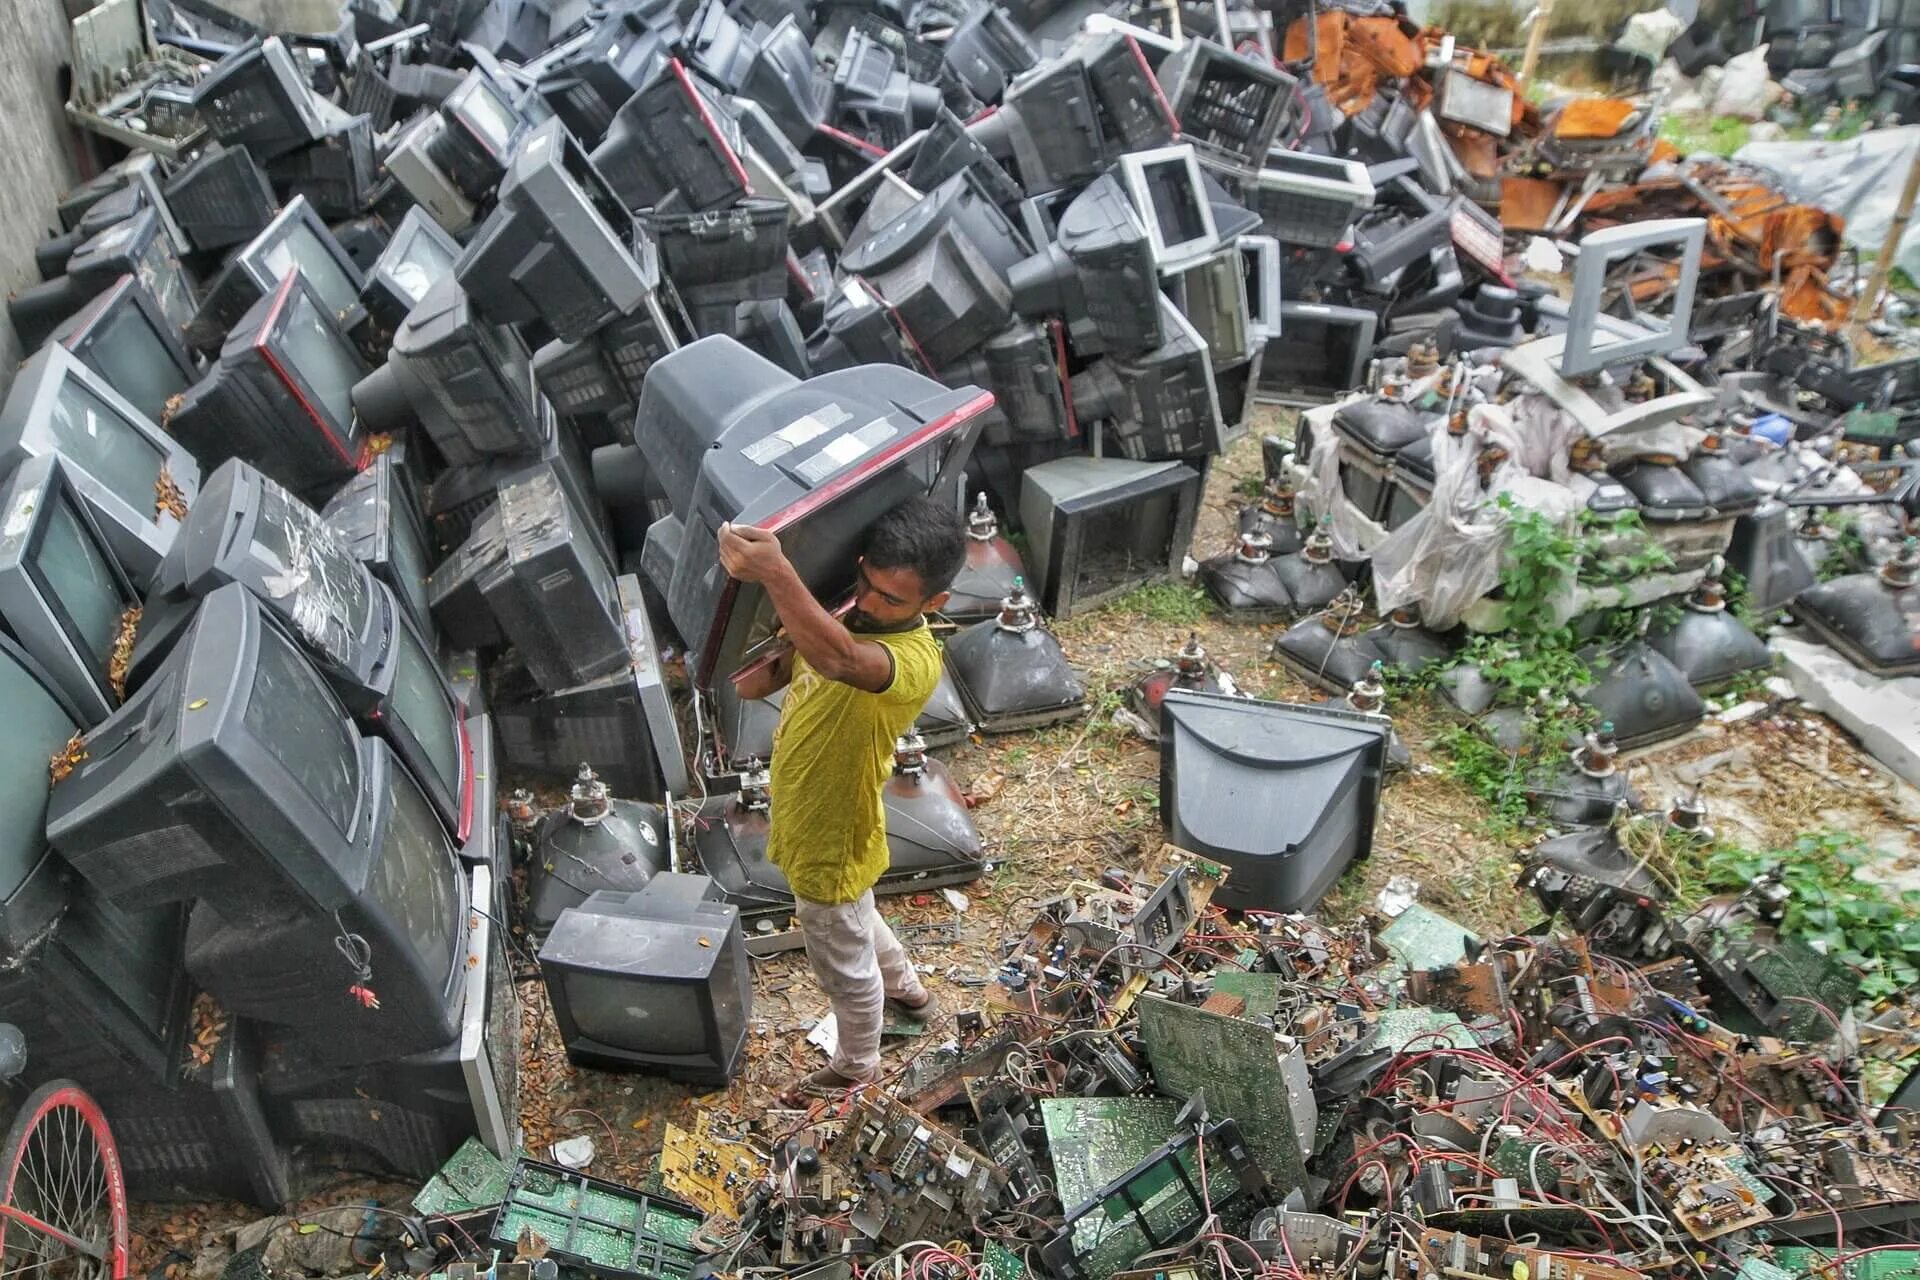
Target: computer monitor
x=256 y=97
x=123 y=336
x=376 y=517
x=1166 y=191
x=62 y=593
x=134 y=477
x=482 y=126
x=221 y=199
x=296 y=241
x=281 y=394
x=232 y=775
x=42 y=720
x=277 y=959
x=718 y=425
x=559 y=246
x=404 y=1118
x=419 y=253
x=652 y=980
x=1224 y=758
x=465 y=378
x=1098 y=527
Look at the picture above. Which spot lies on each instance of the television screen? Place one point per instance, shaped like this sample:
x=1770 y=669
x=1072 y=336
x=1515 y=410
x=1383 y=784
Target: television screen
x=1165 y=187
x=72 y=564
x=126 y=339
x=424 y=707
x=298 y=245
x=103 y=443
x=492 y=119
x=416 y=880
x=291 y=712
x=39 y=725
x=323 y=359
x=650 y=1017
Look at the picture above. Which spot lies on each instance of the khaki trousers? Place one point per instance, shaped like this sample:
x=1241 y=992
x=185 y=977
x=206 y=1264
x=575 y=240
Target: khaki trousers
x=858 y=963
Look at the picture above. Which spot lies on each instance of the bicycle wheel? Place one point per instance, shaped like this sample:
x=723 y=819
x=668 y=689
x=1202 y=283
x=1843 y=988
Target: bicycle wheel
x=63 y=1211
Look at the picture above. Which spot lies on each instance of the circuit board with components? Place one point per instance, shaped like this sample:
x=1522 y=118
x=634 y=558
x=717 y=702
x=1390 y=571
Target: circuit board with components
x=915 y=1180
x=712 y=1170
x=1448 y=1255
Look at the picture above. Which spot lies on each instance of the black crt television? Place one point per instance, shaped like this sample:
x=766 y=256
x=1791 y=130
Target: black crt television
x=1283 y=795
x=657 y=979
x=1099 y=527
x=673 y=138
x=732 y=436
x=97 y=989
x=221 y=199
x=376 y=516
x=123 y=336
x=419 y=253
x=482 y=125
x=135 y=478
x=337 y=175
x=405 y=1117
x=1096 y=272
x=281 y=960
x=553 y=591
x=296 y=241
x=1156 y=404
x=281 y=394
x=256 y=97
x=63 y=594
x=559 y=246
x=234 y=775
x=138 y=246
x=249 y=530
x=465 y=378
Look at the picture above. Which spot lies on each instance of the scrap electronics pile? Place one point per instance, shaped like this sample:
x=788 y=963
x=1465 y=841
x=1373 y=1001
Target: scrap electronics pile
x=1146 y=1090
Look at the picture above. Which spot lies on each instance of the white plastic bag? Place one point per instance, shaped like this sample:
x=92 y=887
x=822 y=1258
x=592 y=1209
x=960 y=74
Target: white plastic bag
x=1745 y=88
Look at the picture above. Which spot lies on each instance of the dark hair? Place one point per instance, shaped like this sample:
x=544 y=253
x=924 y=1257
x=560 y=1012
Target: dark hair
x=922 y=535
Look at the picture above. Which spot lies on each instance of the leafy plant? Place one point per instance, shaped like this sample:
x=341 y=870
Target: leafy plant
x=1169 y=602
x=1249 y=486
x=1870 y=928
x=1540 y=563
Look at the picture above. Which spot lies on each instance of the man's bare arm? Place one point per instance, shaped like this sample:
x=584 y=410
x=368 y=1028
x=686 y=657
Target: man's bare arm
x=775 y=675
x=754 y=555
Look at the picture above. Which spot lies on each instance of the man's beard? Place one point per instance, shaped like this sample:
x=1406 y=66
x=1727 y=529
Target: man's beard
x=861 y=622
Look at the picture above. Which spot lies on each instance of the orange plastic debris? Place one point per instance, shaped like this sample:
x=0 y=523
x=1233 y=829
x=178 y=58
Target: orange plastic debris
x=1525 y=203
x=1596 y=118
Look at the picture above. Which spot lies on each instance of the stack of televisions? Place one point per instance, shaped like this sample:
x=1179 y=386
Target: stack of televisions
x=366 y=448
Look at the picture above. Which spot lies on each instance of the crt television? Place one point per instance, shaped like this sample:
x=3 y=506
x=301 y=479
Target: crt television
x=281 y=394
x=41 y=721
x=654 y=980
x=376 y=517
x=135 y=478
x=404 y=1117
x=1099 y=527
x=123 y=336
x=276 y=959
x=1223 y=759
x=732 y=436
x=296 y=241
x=62 y=592
x=233 y=775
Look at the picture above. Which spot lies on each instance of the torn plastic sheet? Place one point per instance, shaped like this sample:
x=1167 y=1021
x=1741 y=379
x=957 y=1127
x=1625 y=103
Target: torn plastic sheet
x=312 y=581
x=1448 y=555
x=1860 y=179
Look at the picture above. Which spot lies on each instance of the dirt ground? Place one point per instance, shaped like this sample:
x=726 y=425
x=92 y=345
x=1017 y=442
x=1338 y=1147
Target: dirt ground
x=1070 y=801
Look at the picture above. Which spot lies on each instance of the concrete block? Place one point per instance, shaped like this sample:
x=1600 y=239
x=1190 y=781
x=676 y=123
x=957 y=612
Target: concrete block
x=1882 y=714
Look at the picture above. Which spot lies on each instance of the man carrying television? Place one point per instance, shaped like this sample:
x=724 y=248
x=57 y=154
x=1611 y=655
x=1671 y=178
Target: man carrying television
x=851 y=690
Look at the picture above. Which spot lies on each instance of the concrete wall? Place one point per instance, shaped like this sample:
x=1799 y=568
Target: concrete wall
x=37 y=154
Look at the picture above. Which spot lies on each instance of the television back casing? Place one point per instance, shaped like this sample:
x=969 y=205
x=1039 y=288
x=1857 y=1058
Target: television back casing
x=1055 y=495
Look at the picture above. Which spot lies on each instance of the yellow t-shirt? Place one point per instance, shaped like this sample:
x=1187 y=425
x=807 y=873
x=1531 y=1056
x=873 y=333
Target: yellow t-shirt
x=832 y=756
